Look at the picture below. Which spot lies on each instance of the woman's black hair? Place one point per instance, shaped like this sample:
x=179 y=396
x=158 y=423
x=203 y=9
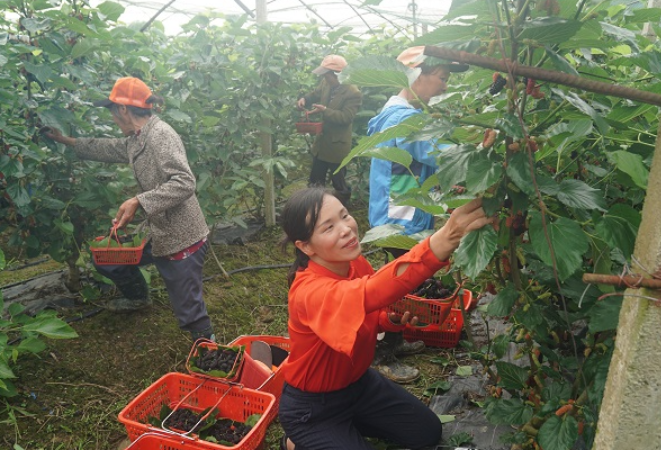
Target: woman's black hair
x=137 y=111
x=298 y=219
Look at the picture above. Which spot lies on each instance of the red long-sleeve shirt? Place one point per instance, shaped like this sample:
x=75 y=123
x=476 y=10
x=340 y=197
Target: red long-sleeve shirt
x=334 y=320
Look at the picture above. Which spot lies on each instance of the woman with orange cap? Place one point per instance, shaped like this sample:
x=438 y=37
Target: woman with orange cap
x=177 y=231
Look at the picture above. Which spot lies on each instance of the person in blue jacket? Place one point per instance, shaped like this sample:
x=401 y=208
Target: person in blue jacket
x=388 y=180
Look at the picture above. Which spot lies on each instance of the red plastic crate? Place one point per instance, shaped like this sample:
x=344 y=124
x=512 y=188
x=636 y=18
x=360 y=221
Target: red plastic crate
x=234 y=374
x=446 y=334
x=178 y=390
x=153 y=441
x=430 y=311
x=273 y=384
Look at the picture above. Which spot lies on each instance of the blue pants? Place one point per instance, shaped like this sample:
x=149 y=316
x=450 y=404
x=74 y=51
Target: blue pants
x=183 y=281
x=373 y=406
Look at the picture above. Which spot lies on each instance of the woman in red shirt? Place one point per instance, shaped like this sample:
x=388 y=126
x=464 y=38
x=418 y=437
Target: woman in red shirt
x=332 y=399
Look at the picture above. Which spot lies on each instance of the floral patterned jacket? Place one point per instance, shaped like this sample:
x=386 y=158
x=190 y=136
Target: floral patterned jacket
x=167 y=186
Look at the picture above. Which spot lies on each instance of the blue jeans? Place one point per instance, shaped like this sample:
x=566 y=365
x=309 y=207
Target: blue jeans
x=373 y=406
x=183 y=281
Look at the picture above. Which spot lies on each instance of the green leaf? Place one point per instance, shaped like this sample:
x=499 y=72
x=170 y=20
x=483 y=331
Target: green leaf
x=632 y=165
x=504 y=301
x=382 y=232
x=446 y=418
x=645 y=15
x=5 y=371
x=65 y=227
x=57 y=117
x=567 y=239
x=518 y=169
x=42 y=72
x=32 y=344
x=616 y=231
x=111 y=10
x=605 y=314
x=376 y=71
x=464 y=371
x=558 y=433
x=512 y=376
x=500 y=345
x=584 y=107
x=483 y=172
x=253 y=419
x=179 y=115
x=392 y=154
x=437 y=388
x=575 y=129
x=475 y=251
x=508 y=412
x=51 y=327
x=412 y=124
x=560 y=63
x=83 y=47
x=18 y=195
x=577 y=194
x=550 y=30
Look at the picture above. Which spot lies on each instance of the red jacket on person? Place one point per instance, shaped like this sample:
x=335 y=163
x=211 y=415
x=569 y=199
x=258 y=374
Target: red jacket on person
x=334 y=320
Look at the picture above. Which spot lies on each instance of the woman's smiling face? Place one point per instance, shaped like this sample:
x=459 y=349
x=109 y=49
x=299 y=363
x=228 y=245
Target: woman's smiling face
x=334 y=242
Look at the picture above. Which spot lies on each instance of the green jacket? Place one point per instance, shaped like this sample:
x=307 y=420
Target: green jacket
x=334 y=143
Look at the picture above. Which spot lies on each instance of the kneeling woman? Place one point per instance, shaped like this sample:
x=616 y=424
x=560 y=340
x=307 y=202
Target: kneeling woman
x=332 y=399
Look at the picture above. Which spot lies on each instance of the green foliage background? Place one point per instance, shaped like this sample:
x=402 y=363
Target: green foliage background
x=568 y=194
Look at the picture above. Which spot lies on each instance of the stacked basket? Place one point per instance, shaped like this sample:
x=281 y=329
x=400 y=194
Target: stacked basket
x=227 y=396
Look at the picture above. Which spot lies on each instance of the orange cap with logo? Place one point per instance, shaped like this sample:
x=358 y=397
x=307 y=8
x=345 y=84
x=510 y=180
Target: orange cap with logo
x=128 y=91
x=331 y=63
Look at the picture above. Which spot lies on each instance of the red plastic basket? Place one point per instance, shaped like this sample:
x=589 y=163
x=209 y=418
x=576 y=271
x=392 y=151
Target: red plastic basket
x=233 y=375
x=308 y=127
x=273 y=383
x=446 y=334
x=178 y=390
x=115 y=256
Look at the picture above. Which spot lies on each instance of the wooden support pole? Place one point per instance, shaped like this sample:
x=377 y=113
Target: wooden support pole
x=266 y=141
x=627 y=281
x=552 y=76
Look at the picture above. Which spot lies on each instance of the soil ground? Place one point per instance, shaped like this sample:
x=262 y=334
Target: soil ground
x=71 y=394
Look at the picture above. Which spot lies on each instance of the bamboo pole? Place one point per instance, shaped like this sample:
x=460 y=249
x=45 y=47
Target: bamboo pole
x=627 y=281
x=536 y=73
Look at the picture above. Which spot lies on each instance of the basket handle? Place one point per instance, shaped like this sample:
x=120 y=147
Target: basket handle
x=203 y=418
x=113 y=234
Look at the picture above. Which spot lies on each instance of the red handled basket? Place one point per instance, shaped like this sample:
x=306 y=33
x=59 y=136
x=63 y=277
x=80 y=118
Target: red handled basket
x=114 y=256
x=447 y=333
x=308 y=127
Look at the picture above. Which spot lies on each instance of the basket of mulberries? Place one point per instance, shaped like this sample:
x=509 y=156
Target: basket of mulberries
x=208 y=359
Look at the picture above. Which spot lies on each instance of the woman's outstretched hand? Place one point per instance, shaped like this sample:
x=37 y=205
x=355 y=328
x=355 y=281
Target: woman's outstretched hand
x=57 y=136
x=463 y=220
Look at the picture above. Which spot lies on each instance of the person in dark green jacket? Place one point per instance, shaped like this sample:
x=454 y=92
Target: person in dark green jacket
x=338 y=104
